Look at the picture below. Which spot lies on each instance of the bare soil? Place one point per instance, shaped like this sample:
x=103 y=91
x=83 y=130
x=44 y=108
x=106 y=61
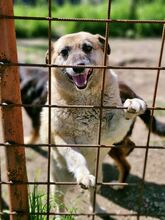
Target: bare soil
x=126 y=53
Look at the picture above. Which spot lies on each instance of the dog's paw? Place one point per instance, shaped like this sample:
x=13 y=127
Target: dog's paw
x=134 y=107
x=86 y=181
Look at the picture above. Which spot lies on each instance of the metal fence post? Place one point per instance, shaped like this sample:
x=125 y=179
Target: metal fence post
x=12 y=117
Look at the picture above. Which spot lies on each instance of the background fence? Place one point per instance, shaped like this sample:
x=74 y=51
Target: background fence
x=11 y=106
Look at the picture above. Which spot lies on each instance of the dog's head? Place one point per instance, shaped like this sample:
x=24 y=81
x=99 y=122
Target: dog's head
x=82 y=49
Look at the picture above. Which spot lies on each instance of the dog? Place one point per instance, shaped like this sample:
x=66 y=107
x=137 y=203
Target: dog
x=82 y=86
x=70 y=126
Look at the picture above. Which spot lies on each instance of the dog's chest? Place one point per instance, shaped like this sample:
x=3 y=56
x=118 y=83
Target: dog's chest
x=78 y=123
x=83 y=125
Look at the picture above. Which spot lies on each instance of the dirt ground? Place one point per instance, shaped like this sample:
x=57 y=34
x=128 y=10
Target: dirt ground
x=126 y=53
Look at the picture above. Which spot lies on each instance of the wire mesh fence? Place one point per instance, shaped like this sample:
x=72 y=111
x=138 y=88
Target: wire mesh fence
x=49 y=213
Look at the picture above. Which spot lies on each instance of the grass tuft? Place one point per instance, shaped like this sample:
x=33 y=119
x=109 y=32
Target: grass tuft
x=38 y=204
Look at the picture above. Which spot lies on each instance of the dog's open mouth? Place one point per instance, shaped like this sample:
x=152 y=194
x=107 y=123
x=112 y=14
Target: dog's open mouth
x=81 y=80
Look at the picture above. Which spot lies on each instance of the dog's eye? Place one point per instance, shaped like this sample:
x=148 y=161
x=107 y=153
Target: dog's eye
x=87 y=48
x=64 y=52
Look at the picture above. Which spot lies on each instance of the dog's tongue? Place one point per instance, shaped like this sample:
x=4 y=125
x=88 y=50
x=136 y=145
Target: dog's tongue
x=80 y=80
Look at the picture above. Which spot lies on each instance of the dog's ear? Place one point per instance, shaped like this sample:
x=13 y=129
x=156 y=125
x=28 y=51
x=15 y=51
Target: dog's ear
x=102 y=42
x=47 y=53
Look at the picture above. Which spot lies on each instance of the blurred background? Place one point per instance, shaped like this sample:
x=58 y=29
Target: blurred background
x=120 y=9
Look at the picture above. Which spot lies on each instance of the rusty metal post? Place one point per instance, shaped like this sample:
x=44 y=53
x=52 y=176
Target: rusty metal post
x=12 y=116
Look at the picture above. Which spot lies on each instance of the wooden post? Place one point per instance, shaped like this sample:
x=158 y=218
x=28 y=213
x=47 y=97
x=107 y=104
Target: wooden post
x=12 y=116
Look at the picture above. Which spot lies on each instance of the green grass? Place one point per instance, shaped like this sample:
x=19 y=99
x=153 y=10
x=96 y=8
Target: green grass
x=120 y=9
x=153 y=11
x=31 y=28
x=38 y=204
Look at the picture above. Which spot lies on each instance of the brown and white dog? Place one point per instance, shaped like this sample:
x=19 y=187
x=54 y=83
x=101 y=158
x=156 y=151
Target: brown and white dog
x=70 y=126
x=81 y=86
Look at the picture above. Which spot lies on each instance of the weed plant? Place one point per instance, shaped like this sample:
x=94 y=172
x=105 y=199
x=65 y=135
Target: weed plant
x=38 y=204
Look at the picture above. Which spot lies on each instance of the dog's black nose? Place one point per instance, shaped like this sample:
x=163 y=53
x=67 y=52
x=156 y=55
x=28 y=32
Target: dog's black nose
x=79 y=69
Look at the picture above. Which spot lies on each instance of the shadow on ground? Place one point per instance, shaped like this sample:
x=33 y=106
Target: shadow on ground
x=153 y=203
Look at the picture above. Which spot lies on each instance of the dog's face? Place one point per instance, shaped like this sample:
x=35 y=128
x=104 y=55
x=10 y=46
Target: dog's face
x=83 y=49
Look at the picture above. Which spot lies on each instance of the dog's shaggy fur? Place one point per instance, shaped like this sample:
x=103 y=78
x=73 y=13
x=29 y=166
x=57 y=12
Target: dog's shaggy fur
x=82 y=86
x=71 y=126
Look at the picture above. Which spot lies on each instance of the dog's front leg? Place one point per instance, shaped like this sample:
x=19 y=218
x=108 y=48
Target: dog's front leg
x=76 y=163
x=134 y=107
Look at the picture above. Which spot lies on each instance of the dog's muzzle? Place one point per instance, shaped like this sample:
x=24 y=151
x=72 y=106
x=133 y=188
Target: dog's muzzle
x=80 y=76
